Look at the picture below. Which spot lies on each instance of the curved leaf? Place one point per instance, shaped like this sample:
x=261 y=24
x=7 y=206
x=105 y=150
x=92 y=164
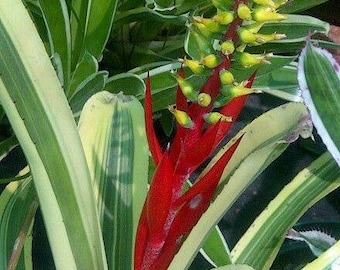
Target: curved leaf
x=319 y=80
x=39 y=113
x=56 y=18
x=17 y=208
x=259 y=246
x=145 y=13
x=254 y=153
x=112 y=132
x=297 y=5
x=128 y=83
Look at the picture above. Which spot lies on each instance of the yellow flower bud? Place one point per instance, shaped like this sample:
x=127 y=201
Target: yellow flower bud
x=249 y=60
x=246 y=35
x=224 y=17
x=244 y=12
x=194 y=65
x=267 y=14
x=211 y=61
x=212 y=25
x=204 y=99
x=227 y=47
x=214 y=117
x=233 y=91
x=269 y=3
x=182 y=118
x=187 y=89
x=226 y=77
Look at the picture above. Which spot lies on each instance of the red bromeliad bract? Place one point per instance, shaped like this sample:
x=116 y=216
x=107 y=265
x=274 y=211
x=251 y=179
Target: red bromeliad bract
x=170 y=212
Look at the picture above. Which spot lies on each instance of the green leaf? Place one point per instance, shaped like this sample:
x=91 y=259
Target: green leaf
x=91 y=85
x=234 y=267
x=317 y=241
x=255 y=152
x=327 y=260
x=57 y=22
x=17 y=209
x=7 y=145
x=99 y=21
x=143 y=13
x=281 y=83
x=91 y=23
x=38 y=111
x=112 y=132
x=294 y=6
x=215 y=249
x=319 y=80
x=86 y=67
x=127 y=83
x=260 y=244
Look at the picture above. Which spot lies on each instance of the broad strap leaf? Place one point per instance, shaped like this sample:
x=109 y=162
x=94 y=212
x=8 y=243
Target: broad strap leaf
x=319 y=80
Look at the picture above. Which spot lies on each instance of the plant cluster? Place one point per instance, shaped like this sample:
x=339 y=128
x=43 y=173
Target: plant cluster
x=86 y=136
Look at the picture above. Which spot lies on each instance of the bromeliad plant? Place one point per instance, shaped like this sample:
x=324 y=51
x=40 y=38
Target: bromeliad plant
x=204 y=118
x=87 y=151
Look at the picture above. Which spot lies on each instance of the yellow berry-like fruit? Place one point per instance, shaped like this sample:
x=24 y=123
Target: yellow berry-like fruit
x=248 y=60
x=224 y=17
x=214 y=117
x=267 y=14
x=246 y=35
x=227 y=47
x=233 y=91
x=187 y=89
x=244 y=12
x=194 y=65
x=204 y=99
x=182 y=118
x=226 y=77
x=211 y=61
x=212 y=25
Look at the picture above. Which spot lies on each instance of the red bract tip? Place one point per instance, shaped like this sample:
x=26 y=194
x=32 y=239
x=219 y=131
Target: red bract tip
x=154 y=146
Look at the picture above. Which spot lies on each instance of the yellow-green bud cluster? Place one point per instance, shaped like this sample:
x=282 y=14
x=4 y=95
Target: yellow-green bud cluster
x=211 y=53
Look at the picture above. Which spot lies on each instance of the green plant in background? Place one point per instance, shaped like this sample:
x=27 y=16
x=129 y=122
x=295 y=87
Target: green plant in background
x=91 y=181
